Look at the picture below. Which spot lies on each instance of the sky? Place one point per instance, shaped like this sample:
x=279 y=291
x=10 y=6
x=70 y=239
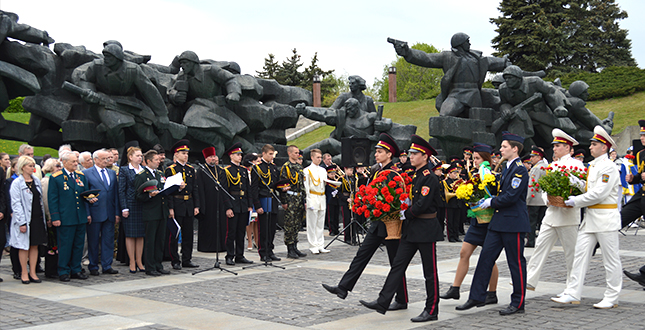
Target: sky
x=349 y=36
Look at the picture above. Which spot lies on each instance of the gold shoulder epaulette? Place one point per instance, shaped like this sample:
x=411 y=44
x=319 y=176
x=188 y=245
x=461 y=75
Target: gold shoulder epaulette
x=426 y=172
x=191 y=166
x=79 y=172
x=226 y=166
x=173 y=165
x=57 y=173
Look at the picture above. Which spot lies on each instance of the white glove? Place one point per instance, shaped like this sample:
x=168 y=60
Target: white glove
x=570 y=201
x=575 y=182
x=334 y=193
x=402 y=214
x=485 y=204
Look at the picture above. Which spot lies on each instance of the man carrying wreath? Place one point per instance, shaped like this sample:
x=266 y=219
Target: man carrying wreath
x=559 y=222
x=600 y=225
x=420 y=232
x=386 y=148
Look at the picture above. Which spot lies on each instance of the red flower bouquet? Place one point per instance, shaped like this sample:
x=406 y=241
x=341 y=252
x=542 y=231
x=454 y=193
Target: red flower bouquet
x=383 y=198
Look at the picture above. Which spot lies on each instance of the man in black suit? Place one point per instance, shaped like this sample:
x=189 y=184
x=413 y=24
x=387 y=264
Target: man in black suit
x=155 y=212
x=506 y=230
x=420 y=232
x=385 y=149
x=183 y=205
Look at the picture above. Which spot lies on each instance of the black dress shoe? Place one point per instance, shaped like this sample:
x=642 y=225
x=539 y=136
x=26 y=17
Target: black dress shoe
x=163 y=271
x=638 y=277
x=94 y=272
x=342 y=294
x=395 y=306
x=374 y=305
x=153 y=273
x=189 y=264
x=491 y=298
x=79 y=276
x=274 y=257
x=265 y=259
x=34 y=281
x=424 y=317
x=176 y=266
x=470 y=304
x=452 y=293
x=25 y=282
x=243 y=260
x=64 y=278
x=298 y=252
x=111 y=271
x=16 y=276
x=511 y=310
x=229 y=261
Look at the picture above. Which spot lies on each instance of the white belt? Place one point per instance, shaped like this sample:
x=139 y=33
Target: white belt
x=293 y=193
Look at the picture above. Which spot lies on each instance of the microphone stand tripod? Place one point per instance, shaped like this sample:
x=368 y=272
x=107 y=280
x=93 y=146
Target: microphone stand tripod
x=218 y=187
x=266 y=263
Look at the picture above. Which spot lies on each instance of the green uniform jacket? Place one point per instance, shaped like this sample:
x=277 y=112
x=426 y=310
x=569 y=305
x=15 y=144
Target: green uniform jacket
x=65 y=203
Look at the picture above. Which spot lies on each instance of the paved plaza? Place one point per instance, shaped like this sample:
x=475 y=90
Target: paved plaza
x=272 y=298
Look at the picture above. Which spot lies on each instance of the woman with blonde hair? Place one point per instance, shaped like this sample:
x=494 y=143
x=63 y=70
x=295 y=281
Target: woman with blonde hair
x=131 y=209
x=28 y=227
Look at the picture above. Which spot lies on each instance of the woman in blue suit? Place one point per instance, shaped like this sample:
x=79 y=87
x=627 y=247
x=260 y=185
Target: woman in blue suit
x=131 y=212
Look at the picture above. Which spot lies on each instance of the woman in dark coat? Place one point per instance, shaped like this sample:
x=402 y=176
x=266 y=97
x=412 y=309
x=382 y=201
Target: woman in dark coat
x=131 y=209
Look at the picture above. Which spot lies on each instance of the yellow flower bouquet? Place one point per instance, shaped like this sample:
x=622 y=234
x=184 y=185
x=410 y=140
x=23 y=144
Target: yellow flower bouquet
x=474 y=191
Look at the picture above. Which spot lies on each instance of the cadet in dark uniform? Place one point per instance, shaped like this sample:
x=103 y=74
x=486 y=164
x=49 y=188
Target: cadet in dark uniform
x=346 y=189
x=183 y=206
x=636 y=206
x=155 y=212
x=404 y=163
x=293 y=202
x=506 y=230
x=453 y=205
x=333 y=203
x=264 y=176
x=385 y=148
x=420 y=232
x=237 y=211
x=69 y=213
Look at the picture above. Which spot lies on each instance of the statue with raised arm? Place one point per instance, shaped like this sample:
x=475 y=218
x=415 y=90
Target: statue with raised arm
x=584 y=119
x=124 y=96
x=464 y=73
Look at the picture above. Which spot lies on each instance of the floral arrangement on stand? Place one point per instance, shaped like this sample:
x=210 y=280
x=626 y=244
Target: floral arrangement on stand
x=560 y=182
x=383 y=199
x=474 y=191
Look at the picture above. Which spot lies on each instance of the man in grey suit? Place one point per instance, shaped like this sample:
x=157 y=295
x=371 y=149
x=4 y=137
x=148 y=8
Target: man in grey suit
x=104 y=213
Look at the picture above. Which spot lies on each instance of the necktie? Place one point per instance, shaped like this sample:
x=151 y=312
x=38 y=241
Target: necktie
x=105 y=179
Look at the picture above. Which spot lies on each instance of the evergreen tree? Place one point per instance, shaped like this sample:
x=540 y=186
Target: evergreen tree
x=530 y=32
x=288 y=73
x=270 y=69
x=562 y=36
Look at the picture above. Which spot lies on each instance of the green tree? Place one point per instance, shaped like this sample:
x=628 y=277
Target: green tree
x=270 y=69
x=562 y=35
x=530 y=32
x=15 y=105
x=413 y=82
x=596 y=39
x=288 y=73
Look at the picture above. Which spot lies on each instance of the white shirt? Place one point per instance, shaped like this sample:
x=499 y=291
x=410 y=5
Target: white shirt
x=315 y=178
x=103 y=170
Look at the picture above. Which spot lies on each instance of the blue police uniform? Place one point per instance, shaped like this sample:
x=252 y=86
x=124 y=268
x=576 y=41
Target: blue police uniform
x=506 y=230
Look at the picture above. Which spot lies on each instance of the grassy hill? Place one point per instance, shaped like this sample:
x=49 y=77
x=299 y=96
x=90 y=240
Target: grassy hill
x=11 y=147
x=628 y=110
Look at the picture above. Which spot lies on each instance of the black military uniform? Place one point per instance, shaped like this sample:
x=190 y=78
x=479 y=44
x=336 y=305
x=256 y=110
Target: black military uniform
x=211 y=236
x=155 y=214
x=420 y=232
x=237 y=184
x=295 y=200
x=405 y=166
x=333 y=203
x=376 y=235
x=263 y=179
x=183 y=203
